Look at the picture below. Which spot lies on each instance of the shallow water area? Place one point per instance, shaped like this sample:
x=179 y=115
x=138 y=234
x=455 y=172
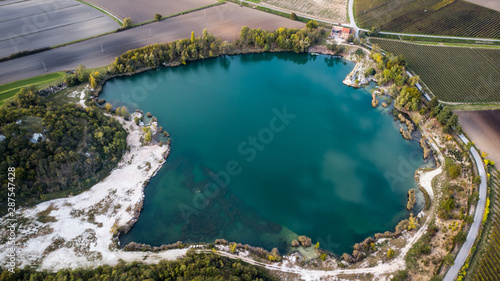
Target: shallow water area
x=266 y=147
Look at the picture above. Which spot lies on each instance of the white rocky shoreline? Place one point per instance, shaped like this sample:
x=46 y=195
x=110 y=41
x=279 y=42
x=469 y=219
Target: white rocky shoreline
x=71 y=238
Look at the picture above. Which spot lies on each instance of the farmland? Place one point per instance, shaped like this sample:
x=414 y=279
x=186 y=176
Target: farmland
x=438 y=17
x=487 y=266
x=327 y=9
x=139 y=12
x=453 y=74
x=29 y=25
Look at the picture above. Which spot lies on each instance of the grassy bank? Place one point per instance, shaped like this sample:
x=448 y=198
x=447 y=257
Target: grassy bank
x=10 y=89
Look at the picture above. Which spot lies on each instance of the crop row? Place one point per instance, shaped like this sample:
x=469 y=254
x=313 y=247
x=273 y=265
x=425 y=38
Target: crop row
x=489 y=264
x=457 y=18
x=453 y=74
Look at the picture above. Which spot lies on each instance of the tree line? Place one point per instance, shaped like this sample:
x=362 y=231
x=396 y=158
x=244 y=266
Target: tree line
x=55 y=149
x=192 y=267
x=207 y=45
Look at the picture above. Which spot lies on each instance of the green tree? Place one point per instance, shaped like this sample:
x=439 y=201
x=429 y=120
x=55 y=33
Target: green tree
x=127 y=23
x=312 y=24
x=460 y=238
x=158 y=17
x=293 y=16
x=448 y=259
x=413 y=80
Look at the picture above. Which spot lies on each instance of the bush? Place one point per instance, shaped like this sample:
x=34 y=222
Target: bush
x=401 y=275
x=293 y=16
x=390 y=254
x=158 y=17
x=370 y=71
x=312 y=24
x=127 y=23
x=460 y=238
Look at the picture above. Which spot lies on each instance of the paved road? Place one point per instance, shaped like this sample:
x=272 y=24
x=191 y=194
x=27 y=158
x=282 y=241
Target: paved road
x=36 y=24
x=352 y=20
x=478 y=218
x=223 y=21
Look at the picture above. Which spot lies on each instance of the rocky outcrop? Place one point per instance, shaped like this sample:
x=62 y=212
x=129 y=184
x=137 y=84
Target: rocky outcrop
x=357 y=76
x=305 y=241
x=427 y=149
x=374 y=100
x=411 y=200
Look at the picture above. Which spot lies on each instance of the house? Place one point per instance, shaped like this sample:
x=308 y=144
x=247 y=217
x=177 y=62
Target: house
x=336 y=31
x=345 y=33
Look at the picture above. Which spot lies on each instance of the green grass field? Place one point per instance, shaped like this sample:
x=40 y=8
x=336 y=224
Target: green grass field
x=438 y=17
x=10 y=89
x=453 y=74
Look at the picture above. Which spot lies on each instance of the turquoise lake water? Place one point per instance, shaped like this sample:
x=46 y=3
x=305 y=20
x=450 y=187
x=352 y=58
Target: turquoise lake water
x=266 y=147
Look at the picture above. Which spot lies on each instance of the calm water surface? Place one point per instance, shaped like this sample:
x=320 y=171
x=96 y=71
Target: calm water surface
x=266 y=147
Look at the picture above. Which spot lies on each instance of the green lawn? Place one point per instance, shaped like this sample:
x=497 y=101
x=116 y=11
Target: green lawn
x=10 y=89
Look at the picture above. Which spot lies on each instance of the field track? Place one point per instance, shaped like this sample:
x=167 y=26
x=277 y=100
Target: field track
x=223 y=21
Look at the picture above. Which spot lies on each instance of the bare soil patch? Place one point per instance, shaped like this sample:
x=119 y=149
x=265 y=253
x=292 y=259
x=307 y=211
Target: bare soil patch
x=492 y=4
x=483 y=128
x=141 y=11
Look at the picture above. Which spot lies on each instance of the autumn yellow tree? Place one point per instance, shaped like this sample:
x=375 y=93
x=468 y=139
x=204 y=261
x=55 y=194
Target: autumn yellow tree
x=93 y=82
x=192 y=37
x=108 y=107
x=390 y=254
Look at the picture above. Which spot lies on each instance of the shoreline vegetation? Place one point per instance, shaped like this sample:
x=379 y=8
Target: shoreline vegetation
x=121 y=209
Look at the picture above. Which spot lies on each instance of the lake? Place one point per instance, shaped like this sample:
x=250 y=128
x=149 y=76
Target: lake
x=266 y=147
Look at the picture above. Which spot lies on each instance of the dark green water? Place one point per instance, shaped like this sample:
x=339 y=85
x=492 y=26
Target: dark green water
x=301 y=153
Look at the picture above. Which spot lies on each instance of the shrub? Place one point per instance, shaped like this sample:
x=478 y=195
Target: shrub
x=390 y=254
x=127 y=23
x=312 y=24
x=370 y=71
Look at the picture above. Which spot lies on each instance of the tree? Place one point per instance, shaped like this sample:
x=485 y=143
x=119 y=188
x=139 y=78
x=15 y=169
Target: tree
x=127 y=23
x=81 y=73
x=293 y=16
x=448 y=259
x=312 y=24
x=359 y=52
x=370 y=71
x=414 y=80
x=317 y=245
x=390 y=254
x=158 y=17
x=93 y=82
x=193 y=38
x=460 y=238
x=477 y=180
x=108 y=107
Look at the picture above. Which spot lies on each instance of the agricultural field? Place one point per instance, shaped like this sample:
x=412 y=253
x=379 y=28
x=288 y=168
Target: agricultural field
x=487 y=266
x=36 y=24
x=453 y=74
x=335 y=10
x=139 y=11
x=438 y=17
x=482 y=128
x=492 y=4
